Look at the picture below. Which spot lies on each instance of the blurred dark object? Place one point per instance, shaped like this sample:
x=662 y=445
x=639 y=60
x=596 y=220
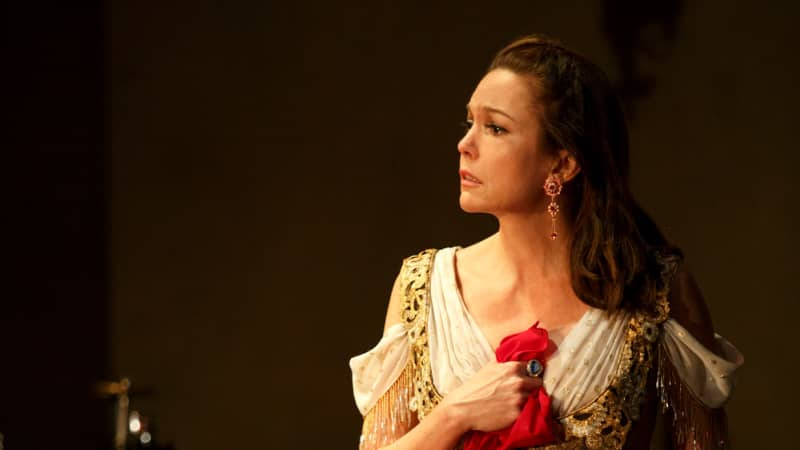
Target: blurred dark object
x=639 y=32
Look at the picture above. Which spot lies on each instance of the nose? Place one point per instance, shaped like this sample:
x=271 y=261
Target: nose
x=467 y=146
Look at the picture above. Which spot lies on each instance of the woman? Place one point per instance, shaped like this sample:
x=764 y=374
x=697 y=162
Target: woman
x=546 y=152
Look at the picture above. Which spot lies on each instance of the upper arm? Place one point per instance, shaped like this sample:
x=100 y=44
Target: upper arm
x=691 y=419
x=689 y=309
x=394 y=310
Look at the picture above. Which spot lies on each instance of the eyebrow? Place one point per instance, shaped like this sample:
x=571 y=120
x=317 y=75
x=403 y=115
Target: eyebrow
x=494 y=110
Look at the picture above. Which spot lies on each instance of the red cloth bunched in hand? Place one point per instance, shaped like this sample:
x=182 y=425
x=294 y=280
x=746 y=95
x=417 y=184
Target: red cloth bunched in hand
x=535 y=424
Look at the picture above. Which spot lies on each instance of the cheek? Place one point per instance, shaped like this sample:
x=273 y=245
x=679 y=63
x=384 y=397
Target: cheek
x=523 y=175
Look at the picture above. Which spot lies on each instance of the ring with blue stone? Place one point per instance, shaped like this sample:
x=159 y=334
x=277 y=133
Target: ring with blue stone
x=534 y=368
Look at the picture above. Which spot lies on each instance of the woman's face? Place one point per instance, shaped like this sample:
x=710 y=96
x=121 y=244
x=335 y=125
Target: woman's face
x=503 y=162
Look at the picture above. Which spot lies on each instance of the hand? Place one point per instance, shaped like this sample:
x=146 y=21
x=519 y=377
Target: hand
x=493 y=398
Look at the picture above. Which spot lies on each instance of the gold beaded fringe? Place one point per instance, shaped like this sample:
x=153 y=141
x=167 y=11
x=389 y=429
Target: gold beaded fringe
x=391 y=417
x=694 y=425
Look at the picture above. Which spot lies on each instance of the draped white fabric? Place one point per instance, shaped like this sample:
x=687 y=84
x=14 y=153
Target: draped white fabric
x=709 y=376
x=576 y=373
x=376 y=370
x=580 y=369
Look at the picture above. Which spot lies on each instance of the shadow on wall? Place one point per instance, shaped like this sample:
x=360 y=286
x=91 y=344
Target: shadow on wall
x=639 y=32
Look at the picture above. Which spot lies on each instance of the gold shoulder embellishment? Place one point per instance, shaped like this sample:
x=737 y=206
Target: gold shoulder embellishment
x=415 y=280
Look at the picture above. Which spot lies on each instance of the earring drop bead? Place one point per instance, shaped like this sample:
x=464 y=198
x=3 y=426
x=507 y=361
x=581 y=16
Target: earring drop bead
x=552 y=187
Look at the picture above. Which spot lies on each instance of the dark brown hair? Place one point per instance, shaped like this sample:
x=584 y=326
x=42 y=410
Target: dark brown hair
x=614 y=241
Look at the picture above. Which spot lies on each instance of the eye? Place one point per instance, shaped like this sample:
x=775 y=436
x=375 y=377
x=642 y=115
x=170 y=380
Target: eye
x=467 y=124
x=495 y=129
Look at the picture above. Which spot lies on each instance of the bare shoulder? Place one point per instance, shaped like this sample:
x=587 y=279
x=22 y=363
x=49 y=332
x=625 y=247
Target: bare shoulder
x=689 y=308
x=394 y=310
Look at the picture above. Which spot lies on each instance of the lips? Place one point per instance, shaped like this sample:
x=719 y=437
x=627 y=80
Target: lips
x=467 y=176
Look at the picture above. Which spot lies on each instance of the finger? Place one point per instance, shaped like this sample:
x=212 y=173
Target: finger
x=515 y=367
x=521 y=401
x=519 y=368
x=522 y=367
x=534 y=368
x=530 y=383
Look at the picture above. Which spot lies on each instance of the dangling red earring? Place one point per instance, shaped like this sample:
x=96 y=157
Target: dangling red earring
x=552 y=187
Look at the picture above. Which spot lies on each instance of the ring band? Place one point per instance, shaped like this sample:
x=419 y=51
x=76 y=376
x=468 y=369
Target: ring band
x=534 y=368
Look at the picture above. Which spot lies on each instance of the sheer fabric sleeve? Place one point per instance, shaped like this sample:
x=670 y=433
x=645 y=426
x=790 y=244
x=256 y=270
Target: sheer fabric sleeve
x=382 y=387
x=695 y=370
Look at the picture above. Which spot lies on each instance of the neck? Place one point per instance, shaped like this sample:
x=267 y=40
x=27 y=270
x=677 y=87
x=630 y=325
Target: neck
x=526 y=251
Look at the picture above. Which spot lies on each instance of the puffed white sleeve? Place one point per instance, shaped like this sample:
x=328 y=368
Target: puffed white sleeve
x=694 y=383
x=375 y=371
x=383 y=387
x=707 y=375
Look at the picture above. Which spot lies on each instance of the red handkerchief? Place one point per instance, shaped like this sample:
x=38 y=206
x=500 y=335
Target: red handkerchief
x=535 y=424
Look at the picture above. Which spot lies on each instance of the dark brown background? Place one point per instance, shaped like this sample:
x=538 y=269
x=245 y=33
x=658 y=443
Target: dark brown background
x=215 y=198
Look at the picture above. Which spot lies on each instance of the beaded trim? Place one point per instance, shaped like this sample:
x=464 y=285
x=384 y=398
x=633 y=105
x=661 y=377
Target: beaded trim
x=390 y=418
x=694 y=425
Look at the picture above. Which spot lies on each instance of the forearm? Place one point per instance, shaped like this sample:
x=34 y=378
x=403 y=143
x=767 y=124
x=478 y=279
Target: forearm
x=440 y=430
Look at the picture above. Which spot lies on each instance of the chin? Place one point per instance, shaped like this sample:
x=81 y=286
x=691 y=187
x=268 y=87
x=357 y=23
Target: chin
x=469 y=204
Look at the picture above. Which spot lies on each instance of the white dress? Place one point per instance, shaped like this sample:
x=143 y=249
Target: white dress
x=580 y=369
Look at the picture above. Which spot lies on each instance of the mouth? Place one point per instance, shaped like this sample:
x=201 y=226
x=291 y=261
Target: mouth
x=467 y=177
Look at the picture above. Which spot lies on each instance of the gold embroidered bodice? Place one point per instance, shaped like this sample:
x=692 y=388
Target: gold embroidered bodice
x=602 y=424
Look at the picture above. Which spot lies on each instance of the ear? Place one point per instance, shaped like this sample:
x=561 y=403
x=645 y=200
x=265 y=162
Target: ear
x=565 y=165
